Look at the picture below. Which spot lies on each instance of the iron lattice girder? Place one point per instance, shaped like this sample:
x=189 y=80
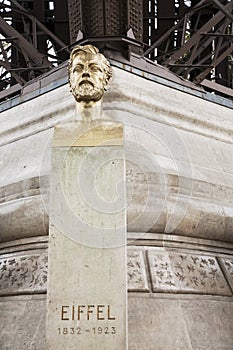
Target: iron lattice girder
x=195 y=39
x=31 y=59
x=120 y=25
x=205 y=49
x=40 y=25
x=113 y=20
x=6 y=64
x=24 y=45
x=201 y=44
x=75 y=20
x=181 y=24
x=218 y=60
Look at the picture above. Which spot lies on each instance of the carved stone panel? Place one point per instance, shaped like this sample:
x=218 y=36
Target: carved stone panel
x=21 y=274
x=186 y=273
x=137 y=280
x=227 y=266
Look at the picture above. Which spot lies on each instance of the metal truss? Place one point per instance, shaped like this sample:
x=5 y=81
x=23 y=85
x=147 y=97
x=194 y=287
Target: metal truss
x=199 y=44
x=193 y=38
x=27 y=47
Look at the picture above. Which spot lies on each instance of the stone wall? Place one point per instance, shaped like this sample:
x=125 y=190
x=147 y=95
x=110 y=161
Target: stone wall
x=180 y=215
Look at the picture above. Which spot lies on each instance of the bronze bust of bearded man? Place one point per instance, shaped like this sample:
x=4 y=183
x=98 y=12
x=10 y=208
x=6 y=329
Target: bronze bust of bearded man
x=89 y=74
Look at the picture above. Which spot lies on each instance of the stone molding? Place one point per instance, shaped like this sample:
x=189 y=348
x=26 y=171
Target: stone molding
x=23 y=270
x=227 y=266
x=137 y=277
x=179 y=146
x=24 y=188
x=58 y=105
x=24 y=207
x=24 y=273
x=186 y=273
x=178 y=271
x=23 y=266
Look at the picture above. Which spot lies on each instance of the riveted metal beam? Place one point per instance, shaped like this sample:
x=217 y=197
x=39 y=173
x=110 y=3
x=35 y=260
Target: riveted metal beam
x=24 y=45
x=196 y=37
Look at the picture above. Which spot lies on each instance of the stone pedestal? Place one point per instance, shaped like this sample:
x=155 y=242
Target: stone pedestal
x=87 y=250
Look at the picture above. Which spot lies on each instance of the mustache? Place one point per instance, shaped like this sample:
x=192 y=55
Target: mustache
x=86 y=81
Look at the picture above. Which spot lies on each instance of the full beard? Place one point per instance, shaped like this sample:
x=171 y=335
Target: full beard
x=87 y=93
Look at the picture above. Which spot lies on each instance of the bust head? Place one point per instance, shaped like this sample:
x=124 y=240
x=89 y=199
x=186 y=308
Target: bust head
x=89 y=73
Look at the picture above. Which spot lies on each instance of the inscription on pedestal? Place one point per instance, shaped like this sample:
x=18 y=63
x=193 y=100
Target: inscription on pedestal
x=91 y=317
x=87 y=306
x=86 y=312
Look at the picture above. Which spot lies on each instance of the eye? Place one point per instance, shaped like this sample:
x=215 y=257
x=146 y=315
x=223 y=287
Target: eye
x=95 y=68
x=78 y=68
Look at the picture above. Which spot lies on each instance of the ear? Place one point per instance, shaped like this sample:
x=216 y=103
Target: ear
x=105 y=84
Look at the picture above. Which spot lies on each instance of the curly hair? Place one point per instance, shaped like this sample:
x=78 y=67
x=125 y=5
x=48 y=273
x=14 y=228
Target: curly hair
x=90 y=49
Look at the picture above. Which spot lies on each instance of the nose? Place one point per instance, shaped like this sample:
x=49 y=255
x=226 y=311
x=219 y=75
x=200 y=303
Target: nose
x=86 y=75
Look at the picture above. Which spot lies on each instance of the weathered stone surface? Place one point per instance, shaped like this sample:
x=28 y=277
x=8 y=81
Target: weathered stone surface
x=209 y=323
x=22 y=323
x=87 y=288
x=137 y=276
x=24 y=188
x=179 y=169
x=23 y=273
x=180 y=324
x=227 y=266
x=186 y=273
x=179 y=181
